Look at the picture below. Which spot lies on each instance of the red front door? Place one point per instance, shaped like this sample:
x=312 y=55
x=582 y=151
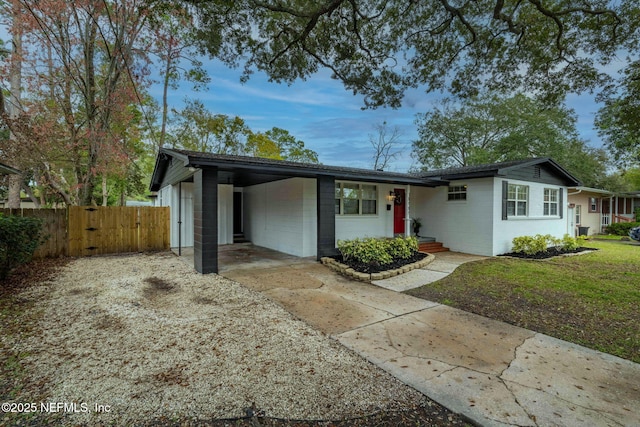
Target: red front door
x=398 y=211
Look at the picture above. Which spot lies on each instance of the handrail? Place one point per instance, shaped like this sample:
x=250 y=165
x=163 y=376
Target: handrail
x=620 y=218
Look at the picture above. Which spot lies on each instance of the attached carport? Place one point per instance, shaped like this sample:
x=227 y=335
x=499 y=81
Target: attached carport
x=207 y=170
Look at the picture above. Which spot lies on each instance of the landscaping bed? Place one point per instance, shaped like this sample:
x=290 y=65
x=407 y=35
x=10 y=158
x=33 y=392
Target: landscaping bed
x=377 y=268
x=549 y=253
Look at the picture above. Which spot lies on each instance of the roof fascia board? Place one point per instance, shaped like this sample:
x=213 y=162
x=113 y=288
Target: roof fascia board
x=594 y=190
x=8 y=169
x=307 y=171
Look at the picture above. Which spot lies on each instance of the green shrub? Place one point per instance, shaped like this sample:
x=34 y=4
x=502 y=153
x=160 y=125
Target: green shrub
x=622 y=228
x=569 y=243
x=378 y=251
x=19 y=238
x=402 y=247
x=531 y=245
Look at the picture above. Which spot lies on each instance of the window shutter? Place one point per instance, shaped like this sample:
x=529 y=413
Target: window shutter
x=505 y=197
x=561 y=203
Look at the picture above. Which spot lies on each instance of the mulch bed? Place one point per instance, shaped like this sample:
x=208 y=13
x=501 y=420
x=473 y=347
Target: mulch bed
x=377 y=268
x=549 y=253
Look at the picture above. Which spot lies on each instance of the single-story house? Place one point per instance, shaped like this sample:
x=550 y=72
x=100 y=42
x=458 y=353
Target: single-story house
x=7 y=170
x=304 y=209
x=595 y=209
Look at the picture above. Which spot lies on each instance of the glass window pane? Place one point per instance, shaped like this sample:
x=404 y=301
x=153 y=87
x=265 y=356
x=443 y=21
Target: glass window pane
x=511 y=208
x=522 y=208
x=337 y=206
x=369 y=192
x=350 y=191
x=350 y=206
x=338 y=191
x=369 y=207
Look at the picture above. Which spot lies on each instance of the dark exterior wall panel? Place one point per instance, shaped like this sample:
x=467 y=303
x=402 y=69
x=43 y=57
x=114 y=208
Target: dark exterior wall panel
x=176 y=172
x=536 y=173
x=205 y=220
x=326 y=216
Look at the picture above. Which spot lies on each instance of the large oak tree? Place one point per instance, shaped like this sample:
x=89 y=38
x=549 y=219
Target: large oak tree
x=490 y=129
x=379 y=48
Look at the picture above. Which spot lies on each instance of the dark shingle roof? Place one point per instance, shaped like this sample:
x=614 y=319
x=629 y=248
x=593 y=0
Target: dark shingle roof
x=195 y=158
x=251 y=170
x=6 y=170
x=497 y=169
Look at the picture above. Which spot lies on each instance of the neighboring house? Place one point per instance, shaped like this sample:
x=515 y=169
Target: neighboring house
x=595 y=209
x=27 y=203
x=7 y=170
x=304 y=209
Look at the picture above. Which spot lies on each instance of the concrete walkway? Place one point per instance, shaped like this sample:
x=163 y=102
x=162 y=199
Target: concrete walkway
x=491 y=372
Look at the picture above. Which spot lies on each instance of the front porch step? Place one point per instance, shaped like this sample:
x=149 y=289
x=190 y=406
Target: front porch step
x=432 y=247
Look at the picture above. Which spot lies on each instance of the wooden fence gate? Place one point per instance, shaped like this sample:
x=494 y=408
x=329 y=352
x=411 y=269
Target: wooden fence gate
x=92 y=230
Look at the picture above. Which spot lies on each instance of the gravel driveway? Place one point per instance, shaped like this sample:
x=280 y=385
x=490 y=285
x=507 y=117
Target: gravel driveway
x=147 y=337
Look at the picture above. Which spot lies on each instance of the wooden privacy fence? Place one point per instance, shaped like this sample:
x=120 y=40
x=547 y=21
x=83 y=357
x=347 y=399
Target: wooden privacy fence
x=93 y=230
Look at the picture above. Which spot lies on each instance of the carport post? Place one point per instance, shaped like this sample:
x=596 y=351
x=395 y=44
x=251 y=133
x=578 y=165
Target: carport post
x=205 y=220
x=326 y=189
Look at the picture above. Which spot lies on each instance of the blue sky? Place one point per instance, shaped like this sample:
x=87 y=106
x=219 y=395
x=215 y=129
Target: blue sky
x=328 y=118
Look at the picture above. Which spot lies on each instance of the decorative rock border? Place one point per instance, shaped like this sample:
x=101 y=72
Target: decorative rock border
x=345 y=270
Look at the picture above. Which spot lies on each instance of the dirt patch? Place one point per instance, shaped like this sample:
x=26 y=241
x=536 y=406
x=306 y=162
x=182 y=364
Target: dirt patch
x=133 y=340
x=158 y=288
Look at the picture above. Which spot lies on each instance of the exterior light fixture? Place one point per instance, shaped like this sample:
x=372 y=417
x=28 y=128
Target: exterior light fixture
x=390 y=198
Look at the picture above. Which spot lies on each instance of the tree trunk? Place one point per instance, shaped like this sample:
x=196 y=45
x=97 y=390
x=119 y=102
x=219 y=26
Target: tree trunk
x=165 y=105
x=15 y=181
x=89 y=181
x=32 y=196
x=105 y=191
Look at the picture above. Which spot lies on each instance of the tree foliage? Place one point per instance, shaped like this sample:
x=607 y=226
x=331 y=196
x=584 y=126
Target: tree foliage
x=198 y=129
x=171 y=43
x=619 y=120
x=379 y=48
x=84 y=68
x=491 y=129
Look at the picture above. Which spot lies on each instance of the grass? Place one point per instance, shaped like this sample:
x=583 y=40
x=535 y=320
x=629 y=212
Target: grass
x=591 y=299
x=608 y=237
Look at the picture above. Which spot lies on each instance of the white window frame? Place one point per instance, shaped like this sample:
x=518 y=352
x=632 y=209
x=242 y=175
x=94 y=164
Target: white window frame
x=551 y=200
x=519 y=189
x=578 y=214
x=339 y=189
x=457 y=193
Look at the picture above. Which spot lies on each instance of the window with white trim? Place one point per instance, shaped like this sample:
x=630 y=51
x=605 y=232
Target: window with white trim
x=517 y=200
x=457 y=192
x=593 y=204
x=578 y=214
x=550 y=206
x=356 y=199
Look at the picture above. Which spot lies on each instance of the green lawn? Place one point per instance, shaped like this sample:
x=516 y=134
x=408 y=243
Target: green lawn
x=591 y=299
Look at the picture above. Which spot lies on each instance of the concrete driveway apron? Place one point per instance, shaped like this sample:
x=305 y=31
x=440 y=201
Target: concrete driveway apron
x=493 y=373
